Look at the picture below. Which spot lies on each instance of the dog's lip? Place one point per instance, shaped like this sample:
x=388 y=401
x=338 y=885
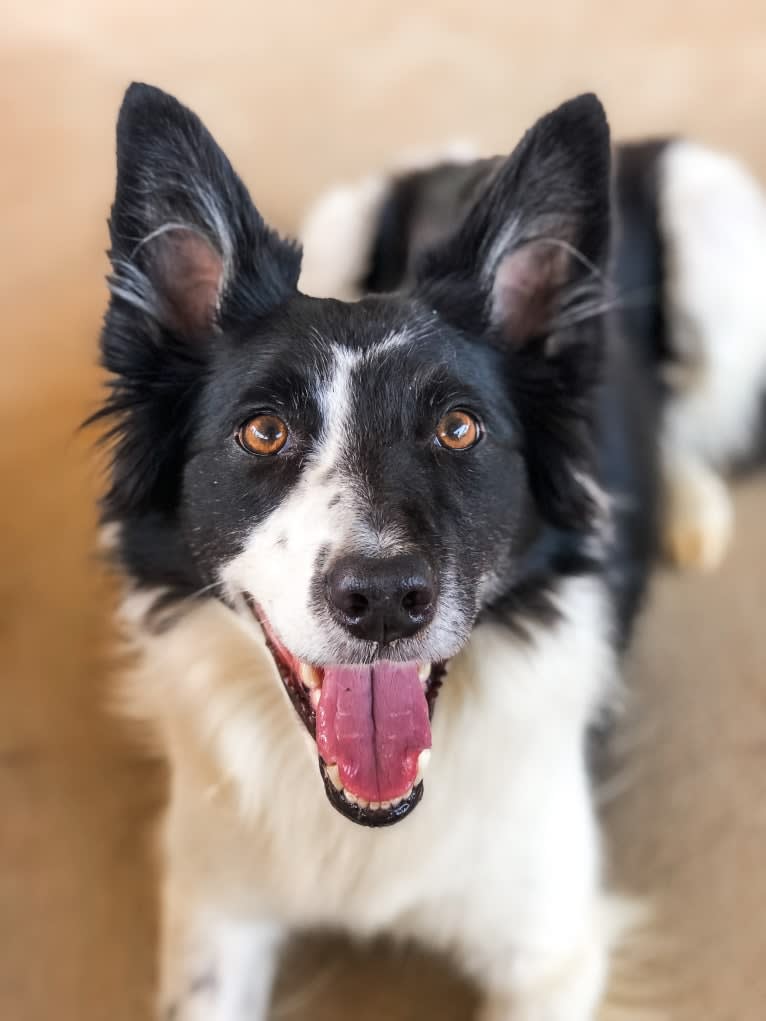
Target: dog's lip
x=366 y=816
x=302 y=683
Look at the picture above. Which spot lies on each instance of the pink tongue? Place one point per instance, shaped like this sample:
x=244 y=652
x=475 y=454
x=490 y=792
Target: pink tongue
x=373 y=722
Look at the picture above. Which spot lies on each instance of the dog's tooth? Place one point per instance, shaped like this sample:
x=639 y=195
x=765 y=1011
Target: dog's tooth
x=396 y=801
x=334 y=774
x=349 y=796
x=423 y=759
x=310 y=676
x=424 y=671
x=362 y=803
x=315 y=696
x=386 y=804
x=374 y=806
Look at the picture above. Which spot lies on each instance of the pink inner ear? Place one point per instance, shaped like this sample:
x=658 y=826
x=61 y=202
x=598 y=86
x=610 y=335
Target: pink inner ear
x=188 y=272
x=527 y=287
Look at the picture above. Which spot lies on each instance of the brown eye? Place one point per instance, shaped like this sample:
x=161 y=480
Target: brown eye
x=263 y=434
x=458 y=431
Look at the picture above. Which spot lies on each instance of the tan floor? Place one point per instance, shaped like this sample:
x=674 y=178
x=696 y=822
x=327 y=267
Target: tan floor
x=300 y=95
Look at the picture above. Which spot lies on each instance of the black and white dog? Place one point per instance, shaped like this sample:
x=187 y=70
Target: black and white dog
x=405 y=536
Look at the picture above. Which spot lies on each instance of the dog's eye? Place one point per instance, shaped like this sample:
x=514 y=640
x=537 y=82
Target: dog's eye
x=263 y=434
x=458 y=430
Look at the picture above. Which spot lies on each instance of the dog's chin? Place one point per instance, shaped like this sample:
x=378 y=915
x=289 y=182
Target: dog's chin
x=304 y=684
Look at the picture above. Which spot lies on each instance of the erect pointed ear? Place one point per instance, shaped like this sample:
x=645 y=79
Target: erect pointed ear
x=536 y=233
x=189 y=248
x=526 y=270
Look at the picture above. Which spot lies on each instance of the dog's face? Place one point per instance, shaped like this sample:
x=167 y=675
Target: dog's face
x=366 y=470
x=362 y=480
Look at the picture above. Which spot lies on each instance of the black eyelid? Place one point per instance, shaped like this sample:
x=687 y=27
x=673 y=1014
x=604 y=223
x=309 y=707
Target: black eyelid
x=257 y=413
x=466 y=410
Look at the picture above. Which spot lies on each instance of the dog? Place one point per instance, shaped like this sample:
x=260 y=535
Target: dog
x=382 y=554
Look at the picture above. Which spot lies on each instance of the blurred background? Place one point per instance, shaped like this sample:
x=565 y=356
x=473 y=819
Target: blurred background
x=300 y=95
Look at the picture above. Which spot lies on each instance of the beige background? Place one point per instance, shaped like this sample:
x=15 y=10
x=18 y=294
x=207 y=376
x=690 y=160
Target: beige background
x=300 y=94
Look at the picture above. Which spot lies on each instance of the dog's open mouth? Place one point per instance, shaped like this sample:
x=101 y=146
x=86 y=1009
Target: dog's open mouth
x=371 y=724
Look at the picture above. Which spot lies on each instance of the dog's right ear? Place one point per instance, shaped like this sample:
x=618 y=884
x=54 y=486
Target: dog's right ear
x=191 y=259
x=189 y=249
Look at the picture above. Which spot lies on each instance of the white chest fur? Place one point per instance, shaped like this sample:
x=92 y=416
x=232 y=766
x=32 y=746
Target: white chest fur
x=499 y=861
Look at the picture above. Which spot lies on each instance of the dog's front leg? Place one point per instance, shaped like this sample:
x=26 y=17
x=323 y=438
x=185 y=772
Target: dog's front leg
x=570 y=991
x=214 y=968
x=566 y=987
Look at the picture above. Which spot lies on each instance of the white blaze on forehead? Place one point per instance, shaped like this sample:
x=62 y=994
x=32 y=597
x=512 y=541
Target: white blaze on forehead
x=327 y=509
x=335 y=401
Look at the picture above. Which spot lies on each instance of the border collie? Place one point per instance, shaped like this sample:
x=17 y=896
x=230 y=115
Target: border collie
x=382 y=555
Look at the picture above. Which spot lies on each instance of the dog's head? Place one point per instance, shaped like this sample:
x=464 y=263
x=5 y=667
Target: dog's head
x=362 y=479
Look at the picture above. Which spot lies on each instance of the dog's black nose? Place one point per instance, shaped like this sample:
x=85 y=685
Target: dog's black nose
x=381 y=599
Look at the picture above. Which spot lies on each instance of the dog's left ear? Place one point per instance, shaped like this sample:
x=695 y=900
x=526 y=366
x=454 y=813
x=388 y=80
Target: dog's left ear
x=189 y=248
x=540 y=225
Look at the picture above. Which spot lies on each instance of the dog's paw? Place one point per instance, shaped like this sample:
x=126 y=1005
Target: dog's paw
x=699 y=517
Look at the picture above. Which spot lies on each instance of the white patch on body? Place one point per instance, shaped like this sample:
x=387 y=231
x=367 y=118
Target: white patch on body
x=337 y=236
x=422 y=157
x=499 y=865
x=339 y=229
x=713 y=219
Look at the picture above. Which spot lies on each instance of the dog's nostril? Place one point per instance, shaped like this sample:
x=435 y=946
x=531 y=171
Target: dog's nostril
x=356 y=604
x=417 y=600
